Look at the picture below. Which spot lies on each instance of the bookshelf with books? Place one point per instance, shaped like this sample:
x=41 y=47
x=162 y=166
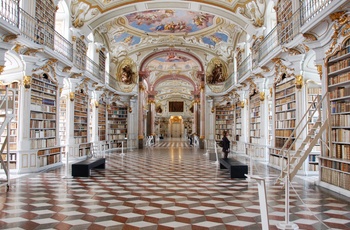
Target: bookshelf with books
x=43 y=121
x=117 y=125
x=335 y=163
x=81 y=103
x=285 y=118
x=13 y=90
x=102 y=120
x=313 y=95
x=238 y=121
x=223 y=121
x=63 y=124
x=255 y=120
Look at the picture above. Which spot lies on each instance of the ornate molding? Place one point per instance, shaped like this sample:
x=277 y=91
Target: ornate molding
x=309 y=37
x=32 y=52
x=2 y=67
x=67 y=69
x=265 y=68
x=10 y=37
x=299 y=82
x=253 y=11
x=81 y=13
x=262 y=96
x=319 y=70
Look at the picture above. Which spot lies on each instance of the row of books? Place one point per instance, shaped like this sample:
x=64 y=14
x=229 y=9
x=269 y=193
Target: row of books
x=117 y=116
x=288 y=106
x=255 y=133
x=285 y=93
x=224 y=112
x=255 y=120
x=340 y=151
x=43 y=108
x=285 y=85
x=116 y=137
x=51 y=133
x=255 y=114
x=283 y=132
x=341 y=120
x=340 y=106
x=340 y=135
x=286 y=124
x=78 y=139
x=42 y=124
x=42 y=143
x=339 y=92
x=42 y=90
x=339 y=65
x=339 y=79
x=221 y=117
x=225 y=126
x=116 y=131
x=47 y=116
x=49 y=151
x=284 y=100
x=341 y=166
x=280 y=142
x=118 y=126
x=336 y=178
x=44 y=83
x=286 y=115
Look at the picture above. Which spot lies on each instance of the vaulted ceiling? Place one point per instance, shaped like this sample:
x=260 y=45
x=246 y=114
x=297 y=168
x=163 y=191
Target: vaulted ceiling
x=172 y=41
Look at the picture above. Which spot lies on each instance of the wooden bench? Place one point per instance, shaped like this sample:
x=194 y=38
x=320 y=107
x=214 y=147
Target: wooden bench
x=236 y=168
x=82 y=168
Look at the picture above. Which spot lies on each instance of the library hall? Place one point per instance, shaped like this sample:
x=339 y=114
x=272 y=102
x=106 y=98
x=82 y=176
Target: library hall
x=175 y=115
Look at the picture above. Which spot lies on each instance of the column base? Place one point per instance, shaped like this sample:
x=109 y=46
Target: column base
x=287 y=226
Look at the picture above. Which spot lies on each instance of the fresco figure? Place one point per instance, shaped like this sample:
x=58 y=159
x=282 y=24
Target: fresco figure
x=217 y=74
x=127 y=75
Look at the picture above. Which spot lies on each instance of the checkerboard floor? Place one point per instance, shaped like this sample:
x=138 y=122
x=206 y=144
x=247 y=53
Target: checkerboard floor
x=173 y=187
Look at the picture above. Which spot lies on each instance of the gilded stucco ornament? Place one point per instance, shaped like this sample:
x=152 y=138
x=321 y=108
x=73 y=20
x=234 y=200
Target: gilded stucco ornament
x=2 y=67
x=299 y=82
x=262 y=96
x=81 y=12
x=309 y=37
x=319 y=70
x=10 y=37
x=253 y=10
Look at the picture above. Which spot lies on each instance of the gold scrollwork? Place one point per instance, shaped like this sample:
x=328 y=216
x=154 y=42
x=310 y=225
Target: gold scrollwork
x=27 y=80
x=262 y=96
x=299 y=82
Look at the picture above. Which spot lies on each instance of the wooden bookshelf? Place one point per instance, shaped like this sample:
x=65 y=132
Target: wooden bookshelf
x=13 y=125
x=335 y=164
x=81 y=103
x=223 y=121
x=43 y=119
x=117 y=125
x=255 y=119
x=238 y=122
x=102 y=120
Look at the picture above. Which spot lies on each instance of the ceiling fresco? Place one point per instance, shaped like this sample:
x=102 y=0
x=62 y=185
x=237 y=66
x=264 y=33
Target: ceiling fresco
x=127 y=38
x=170 y=21
x=187 y=35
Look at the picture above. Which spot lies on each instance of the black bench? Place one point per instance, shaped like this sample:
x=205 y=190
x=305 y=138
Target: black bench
x=82 y=168
x=237 y=169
